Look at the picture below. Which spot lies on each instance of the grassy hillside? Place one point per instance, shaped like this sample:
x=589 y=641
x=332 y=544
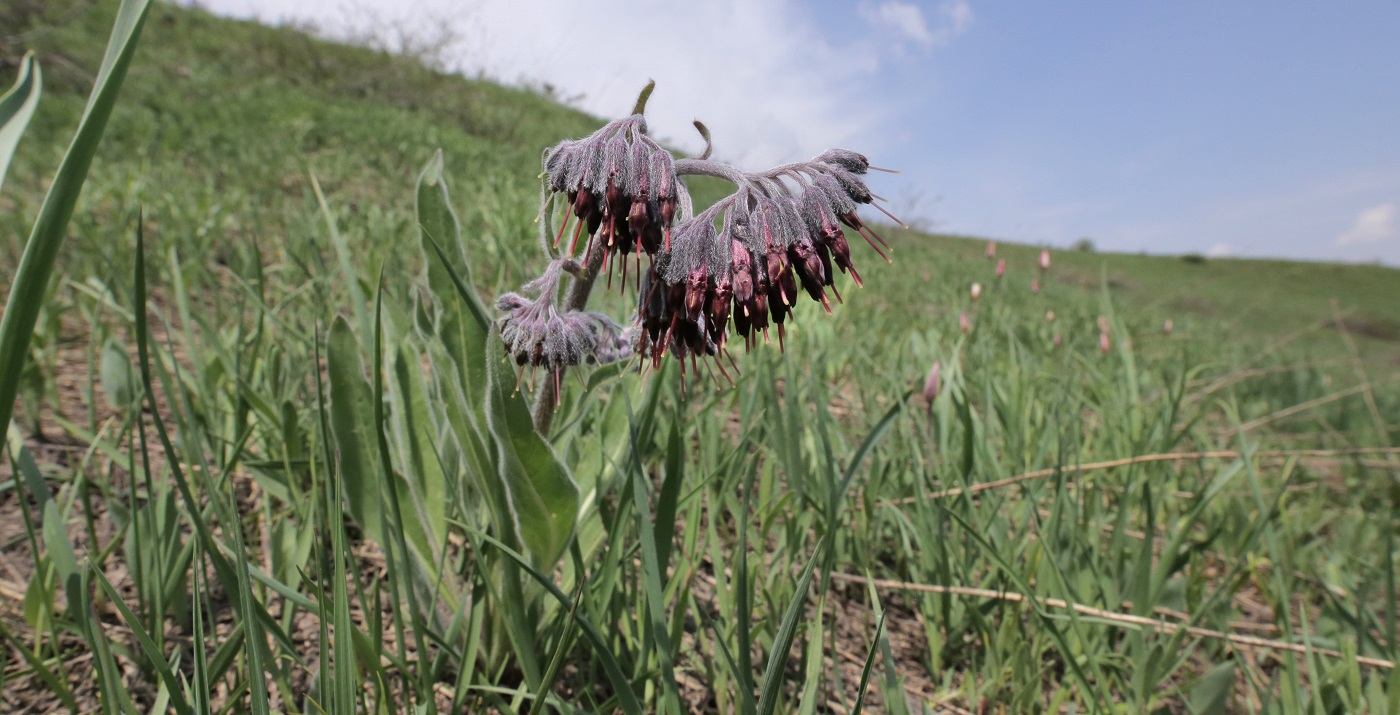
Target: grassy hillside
x=1196 y=521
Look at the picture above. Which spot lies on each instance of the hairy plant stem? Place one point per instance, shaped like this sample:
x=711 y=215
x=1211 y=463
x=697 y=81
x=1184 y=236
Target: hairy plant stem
x=575 y=299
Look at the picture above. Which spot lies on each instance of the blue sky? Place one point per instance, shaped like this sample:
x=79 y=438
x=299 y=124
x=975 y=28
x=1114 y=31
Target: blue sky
x=1239 y=128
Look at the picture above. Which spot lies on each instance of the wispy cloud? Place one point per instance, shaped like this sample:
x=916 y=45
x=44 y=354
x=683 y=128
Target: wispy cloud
x=907 y=21
x=1373 y=225
x=1220 y=250
x=760 y=73
x=772 y=79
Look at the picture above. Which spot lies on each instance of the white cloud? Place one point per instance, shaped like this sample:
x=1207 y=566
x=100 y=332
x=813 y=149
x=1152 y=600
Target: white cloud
x=903 y=18
x=1220 y=250
x=773 y=81
x=907 y=20
x=1373 y=225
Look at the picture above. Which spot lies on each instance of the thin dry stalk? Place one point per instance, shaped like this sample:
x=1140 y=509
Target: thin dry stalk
x=1140 y=459
x=1123 y=619
x=1364 y=388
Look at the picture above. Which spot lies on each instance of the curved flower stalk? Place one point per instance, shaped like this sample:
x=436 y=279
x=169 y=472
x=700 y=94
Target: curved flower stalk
x=745 y=260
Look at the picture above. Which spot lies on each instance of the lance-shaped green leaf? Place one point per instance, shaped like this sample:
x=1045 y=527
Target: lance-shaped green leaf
x=16 y=107
x=352 y=422
x=543 y=496
x=41 y=251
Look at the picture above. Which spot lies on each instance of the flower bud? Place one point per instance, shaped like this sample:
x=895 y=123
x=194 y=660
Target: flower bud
x=1167 y=327
x=1044 y=259
x=963 y=322
x=1035 y=285
x=1001 y=268
x=976 y=291
x=1104 y=343
x=991 y=249
x=1049 y=316
x=933 y=383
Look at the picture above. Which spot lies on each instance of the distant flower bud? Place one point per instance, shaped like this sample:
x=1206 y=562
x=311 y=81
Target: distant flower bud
x=963 y=322
x=1035 y=285
x=991 y=249
x=1044 y=259
x=1104 y=326
x=1049 y=316
x=976 y=291
x=1057 y=340
x=933 y=383
x=1001 y=268
x=1167 y=327
x=1104 y=343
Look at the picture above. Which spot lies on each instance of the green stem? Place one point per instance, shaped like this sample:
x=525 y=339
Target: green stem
x=576 y=299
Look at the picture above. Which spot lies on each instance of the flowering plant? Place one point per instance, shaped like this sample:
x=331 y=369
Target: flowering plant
x=742 y=260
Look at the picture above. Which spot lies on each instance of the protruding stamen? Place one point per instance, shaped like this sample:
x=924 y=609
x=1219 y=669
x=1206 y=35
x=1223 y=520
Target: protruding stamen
x=887 y=171
x=872 y=245
x=892 y=216
x=578 y=229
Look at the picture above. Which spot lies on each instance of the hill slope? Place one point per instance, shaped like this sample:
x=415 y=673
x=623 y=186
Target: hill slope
x=1086 y=511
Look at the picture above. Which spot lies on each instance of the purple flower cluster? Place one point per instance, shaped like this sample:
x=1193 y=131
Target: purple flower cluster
x=621 y=185
x=746 y=257
x=744 y=260
x=535 y=333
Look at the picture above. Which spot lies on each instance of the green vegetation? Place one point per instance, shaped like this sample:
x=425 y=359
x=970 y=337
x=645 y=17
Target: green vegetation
x=264 y=460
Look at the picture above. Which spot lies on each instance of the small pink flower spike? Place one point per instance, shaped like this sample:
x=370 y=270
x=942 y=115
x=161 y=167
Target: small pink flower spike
x=1104 y=343
x=1058 y=340
x=933 y=383
x=964 y=323
x=1167 y=327
x=991 y=249
x=976 y=291
x=1044 y=259
x=1035 y=285
x=1001 y=268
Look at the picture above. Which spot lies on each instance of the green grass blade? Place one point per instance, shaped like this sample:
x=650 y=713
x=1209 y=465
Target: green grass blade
x=233 y=576
x=143 y=639
x=16 y=107
x=560 y=651
x=343 y=670
x=41 y=251
x=627 y=699
x=52 y=681
x=653 y=573
x=869 y=665
x=782 y=643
